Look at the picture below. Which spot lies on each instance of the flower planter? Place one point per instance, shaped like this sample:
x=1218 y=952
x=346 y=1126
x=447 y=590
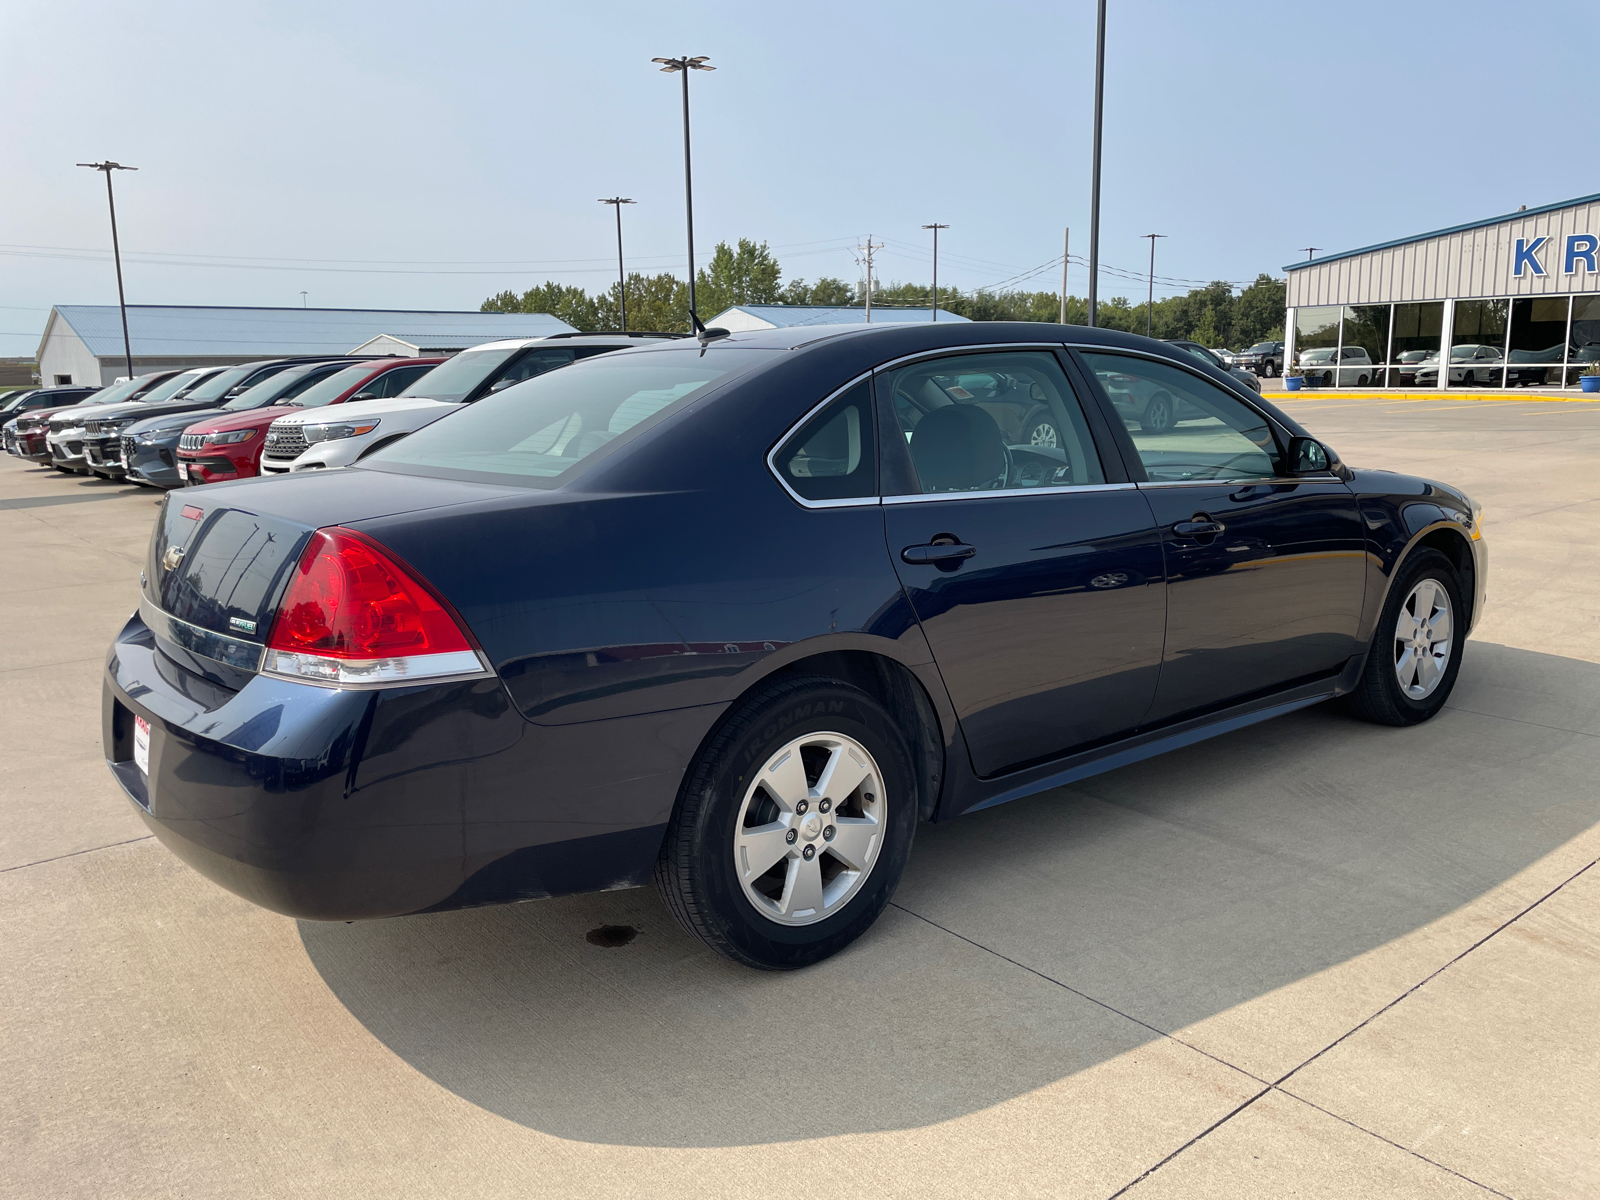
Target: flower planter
x=1589 y=383
x=1293 y=382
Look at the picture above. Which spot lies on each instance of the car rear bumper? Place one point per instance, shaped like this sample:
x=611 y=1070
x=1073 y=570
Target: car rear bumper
x=330 y=804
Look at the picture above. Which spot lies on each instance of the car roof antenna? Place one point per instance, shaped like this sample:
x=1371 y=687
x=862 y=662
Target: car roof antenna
x=702 y=334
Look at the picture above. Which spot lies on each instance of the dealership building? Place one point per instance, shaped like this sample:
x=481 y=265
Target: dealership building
x=82 y=343
x=1515 y=299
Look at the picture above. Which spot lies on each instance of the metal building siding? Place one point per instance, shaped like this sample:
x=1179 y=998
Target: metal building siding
x=1464 y=264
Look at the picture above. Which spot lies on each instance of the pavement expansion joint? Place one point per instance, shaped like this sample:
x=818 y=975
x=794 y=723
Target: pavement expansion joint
x=1277 y=1084
x=39 y=862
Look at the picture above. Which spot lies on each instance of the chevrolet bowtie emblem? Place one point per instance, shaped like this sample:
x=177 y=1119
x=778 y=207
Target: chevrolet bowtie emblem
x=172 y=557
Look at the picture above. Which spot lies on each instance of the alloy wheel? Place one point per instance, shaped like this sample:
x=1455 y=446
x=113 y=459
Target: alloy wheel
x=1044 y=434
x=810 y=828
x=1423 y=636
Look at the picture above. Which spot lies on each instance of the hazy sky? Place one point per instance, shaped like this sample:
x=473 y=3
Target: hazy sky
x=413 y=155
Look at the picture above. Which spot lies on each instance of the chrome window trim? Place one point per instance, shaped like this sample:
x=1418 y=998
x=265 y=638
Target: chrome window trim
x=772 y=455
x=1067 y=490
x=983 y=348
x=218 y=647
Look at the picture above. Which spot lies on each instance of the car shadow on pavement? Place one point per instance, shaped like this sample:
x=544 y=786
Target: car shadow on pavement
x=1168 y=891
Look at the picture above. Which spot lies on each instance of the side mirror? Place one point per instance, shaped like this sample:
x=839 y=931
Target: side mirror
x=503 y=385
x=366 y=396
x=1307 y=456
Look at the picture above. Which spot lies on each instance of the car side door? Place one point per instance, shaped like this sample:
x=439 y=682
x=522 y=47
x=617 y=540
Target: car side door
x=1266 y=571
x=1034 y=569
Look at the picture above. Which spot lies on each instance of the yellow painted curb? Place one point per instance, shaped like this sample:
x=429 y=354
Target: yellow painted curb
x=1430 y=394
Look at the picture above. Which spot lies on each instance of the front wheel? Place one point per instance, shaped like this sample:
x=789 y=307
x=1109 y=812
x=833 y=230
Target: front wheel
x=1416 y=652
x=793 y=827
x=1157 y=414
x=1042 y=432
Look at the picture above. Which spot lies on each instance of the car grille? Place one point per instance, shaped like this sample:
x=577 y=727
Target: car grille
x=11 y=440
x=58 y=426
x=191 y=441
x=101 y=428
x=285 y=441
x=127 y=448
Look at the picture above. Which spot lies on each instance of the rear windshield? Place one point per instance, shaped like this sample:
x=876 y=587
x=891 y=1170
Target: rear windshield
x=536 y=432
x=452 y=381
x=331 y=387
x=167 y=388
x=277 y=387
x=218 y=385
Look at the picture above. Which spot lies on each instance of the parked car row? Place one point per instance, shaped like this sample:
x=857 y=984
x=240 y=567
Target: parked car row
x=208 y=424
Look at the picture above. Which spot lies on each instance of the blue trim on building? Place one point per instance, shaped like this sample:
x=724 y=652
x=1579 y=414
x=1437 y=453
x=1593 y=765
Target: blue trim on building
x=1422 y=237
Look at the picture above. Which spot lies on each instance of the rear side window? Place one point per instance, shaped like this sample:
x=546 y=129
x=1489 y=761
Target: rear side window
x=834 y=456
x=533 y=434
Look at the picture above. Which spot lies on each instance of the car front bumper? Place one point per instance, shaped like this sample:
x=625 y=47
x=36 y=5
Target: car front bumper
x=155 y=463
x=66 y=450
x=346 y=804
x=103 y=455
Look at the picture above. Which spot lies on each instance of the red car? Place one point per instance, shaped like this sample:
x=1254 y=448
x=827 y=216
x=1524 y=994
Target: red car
x=229 y=447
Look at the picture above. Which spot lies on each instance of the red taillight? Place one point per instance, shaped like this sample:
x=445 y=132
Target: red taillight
x=351 y=614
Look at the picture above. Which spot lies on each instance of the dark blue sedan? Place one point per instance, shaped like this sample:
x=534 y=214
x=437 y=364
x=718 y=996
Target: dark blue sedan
x=738 y=616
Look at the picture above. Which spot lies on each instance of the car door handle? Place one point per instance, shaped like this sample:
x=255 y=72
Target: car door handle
x=937 y=552
x=1198 y=528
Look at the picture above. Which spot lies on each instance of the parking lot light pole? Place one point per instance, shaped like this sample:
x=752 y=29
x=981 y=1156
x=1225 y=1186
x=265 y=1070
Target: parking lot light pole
x=116 y=252
x=935 y=229
x=1150 y=293
x=1094 y=184
x=684 y=65
x=622 y=279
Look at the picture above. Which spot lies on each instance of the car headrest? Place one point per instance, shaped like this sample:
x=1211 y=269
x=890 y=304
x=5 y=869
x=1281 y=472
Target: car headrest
x=958 y=449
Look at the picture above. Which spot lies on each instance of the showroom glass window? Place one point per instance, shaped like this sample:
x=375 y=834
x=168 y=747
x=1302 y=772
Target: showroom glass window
x=987 y=422
x=1477 y=343
x=1184 y=427
x=1537 y=345
x=1417 y=331
x=1584 y=338
x=1316 y=329
x=1366 y=329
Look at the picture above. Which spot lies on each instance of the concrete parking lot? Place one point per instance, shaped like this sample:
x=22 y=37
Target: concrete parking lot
x=1311 y=958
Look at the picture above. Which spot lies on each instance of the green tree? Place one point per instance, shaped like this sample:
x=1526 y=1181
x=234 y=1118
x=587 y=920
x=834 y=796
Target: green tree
x=561 y=300
x=656 y=304
x=747 y=274
x=1260 y=310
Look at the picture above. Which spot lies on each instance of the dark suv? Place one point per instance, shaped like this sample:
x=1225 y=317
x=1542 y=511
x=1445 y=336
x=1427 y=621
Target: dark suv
x=1264 y=359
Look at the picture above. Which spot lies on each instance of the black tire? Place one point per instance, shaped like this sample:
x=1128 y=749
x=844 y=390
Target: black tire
x=1378 y=696
x=695 y=873
x=1158 y=414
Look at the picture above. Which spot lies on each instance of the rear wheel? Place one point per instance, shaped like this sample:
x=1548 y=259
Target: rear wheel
x=1157 y=414
x=1416 y=651
x=794 y=826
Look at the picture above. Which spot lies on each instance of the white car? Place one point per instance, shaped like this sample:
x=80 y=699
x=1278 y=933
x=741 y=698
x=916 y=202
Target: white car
x=1470 y=365
x=319 y=438
x=1355 y=367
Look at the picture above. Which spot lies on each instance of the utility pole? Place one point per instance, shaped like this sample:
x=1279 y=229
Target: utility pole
x=1066 y=246
x=116 y=252
x=1150 y=295
x=617 y=202
x=683 y=65
x=1310 y=250
x=867 y=259
x=935 y=229
x=1094 y=186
